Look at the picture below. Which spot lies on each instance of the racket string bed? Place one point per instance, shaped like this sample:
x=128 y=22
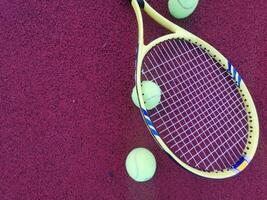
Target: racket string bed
x=201 y=116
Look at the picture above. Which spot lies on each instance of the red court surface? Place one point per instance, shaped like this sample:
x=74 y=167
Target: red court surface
x=67 y=121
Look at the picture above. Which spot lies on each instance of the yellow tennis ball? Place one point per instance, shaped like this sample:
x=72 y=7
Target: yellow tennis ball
x=182 y=8
x=151 y=94
x=140 y=164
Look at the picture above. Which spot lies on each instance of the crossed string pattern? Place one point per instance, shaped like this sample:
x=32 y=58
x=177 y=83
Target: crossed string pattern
x=201 y=116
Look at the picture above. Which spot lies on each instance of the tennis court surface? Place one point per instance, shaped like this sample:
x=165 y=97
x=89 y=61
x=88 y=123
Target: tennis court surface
x=67 y=121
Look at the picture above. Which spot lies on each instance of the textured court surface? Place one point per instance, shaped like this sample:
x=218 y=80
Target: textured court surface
x=67 y=121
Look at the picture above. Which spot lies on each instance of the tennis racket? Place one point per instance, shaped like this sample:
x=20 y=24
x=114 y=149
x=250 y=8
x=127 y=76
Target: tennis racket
x=206 y=120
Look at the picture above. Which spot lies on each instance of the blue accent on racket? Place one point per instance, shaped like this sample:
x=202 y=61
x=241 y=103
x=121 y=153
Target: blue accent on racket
x=149 y=123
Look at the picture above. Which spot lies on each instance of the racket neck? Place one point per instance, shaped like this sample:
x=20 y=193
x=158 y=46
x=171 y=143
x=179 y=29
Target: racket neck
x=160 y=19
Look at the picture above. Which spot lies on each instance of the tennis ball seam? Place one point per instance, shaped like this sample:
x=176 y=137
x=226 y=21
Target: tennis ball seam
x=150 y=98
x=136 y=167
x=139 y=170
x=184 y=7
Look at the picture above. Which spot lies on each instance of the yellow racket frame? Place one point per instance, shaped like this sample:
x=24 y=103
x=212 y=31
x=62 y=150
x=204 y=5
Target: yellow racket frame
x=180 y=33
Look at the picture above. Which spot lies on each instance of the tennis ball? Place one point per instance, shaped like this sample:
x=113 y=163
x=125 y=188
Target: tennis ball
x=140 y=164
x=182 y=8
x=151 y=94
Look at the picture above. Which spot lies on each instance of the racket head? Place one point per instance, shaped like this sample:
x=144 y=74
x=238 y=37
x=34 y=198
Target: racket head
x=249 y=135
